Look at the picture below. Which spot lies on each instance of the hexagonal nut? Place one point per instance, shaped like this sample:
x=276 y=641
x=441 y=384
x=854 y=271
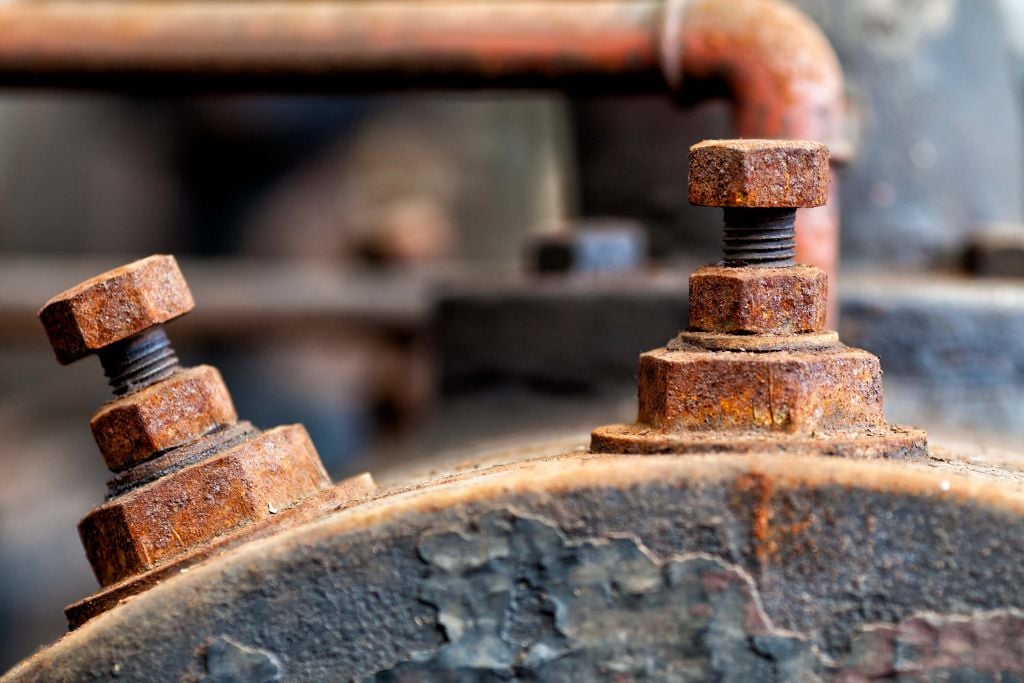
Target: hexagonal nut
x=790 y=392
x=170 y=413
x=156 y=522
x=758 y=300
x=114 y=306
x=759 y=173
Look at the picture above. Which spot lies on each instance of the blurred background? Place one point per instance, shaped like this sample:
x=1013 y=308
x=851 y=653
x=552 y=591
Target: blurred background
x=445 y=272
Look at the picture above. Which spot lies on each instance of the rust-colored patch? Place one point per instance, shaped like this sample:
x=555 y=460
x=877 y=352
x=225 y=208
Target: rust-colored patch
x=170 y=413
x=152 y=524
x=774 y=525
x=345 y=493
x=759 y=173
x=893 y=442
x=115 y=305
x=789 y=300
x=689 y=340
x=790 y=392
x=755 y=489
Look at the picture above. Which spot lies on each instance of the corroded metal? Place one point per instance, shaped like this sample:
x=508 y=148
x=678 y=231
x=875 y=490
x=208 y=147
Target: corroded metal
x=759 y=173
x=758 y=300
x=760 y=184
x=787 y=77
x=154 y=523
x=892 y=442
x=171 y=413
x=188 y=476
x=756 y=370
x=692 y=340
x=793 y=392
x=331 y=499
x=721 y=567
x=114 y=306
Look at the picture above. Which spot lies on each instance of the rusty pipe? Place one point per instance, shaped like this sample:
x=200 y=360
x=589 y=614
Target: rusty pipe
x=332 y=46
x=783 y=74
x=786 y=83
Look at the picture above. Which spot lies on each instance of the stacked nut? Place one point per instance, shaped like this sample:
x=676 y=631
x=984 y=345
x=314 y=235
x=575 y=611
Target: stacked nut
x=186 y=470
x=757 y=369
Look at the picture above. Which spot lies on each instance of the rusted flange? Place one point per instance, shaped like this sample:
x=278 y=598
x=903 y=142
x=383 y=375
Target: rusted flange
x=893 y=442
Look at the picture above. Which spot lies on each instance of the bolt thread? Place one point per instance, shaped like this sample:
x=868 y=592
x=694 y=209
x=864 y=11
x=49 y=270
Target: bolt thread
x=759 y=237
x=139 y=361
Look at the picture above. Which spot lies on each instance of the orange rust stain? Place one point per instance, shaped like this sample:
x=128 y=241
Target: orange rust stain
x=768 y=531
x=757 y=488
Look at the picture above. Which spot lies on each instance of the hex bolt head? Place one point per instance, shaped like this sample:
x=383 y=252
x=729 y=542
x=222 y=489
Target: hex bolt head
x=115 y=306
x=760 y=184
x=751 y=174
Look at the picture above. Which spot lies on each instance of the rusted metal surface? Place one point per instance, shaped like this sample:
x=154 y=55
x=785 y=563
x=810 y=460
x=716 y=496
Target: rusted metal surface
x=334 y=498
x=595 y=567
x=776 y=301
x=114 y=306
x=786 y=77
x=179 y=458
x=174 y=412
x=622 y=44
x=689 y=340
x=787 y=83
x=793 y=392
x=333 y=45
x=756 y=371
x=151 y=524
x=759 y=173
x=759 y=184
x=186 y=471
x=892 y=442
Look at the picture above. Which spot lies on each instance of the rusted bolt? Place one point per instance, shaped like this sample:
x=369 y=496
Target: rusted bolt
x=757 y=289
x=119 y=316
x=756 y=371
x=186 y=470
x=759 y=184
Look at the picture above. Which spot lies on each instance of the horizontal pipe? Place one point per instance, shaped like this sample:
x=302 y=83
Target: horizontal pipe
x=334 y=46
x=785 y=78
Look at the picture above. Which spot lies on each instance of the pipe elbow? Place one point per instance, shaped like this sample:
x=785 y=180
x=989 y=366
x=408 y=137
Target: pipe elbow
x=785 y=77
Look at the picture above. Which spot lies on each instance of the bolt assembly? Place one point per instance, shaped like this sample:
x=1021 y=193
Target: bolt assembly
x=757 y=370
x=188 y=474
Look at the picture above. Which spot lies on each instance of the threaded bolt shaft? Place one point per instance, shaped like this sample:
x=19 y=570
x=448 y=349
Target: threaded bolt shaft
x=759 y=237
x=139 y=361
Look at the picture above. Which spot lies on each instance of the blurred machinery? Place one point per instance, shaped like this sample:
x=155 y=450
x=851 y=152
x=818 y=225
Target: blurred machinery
x=816 y=542
x=519 y=556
